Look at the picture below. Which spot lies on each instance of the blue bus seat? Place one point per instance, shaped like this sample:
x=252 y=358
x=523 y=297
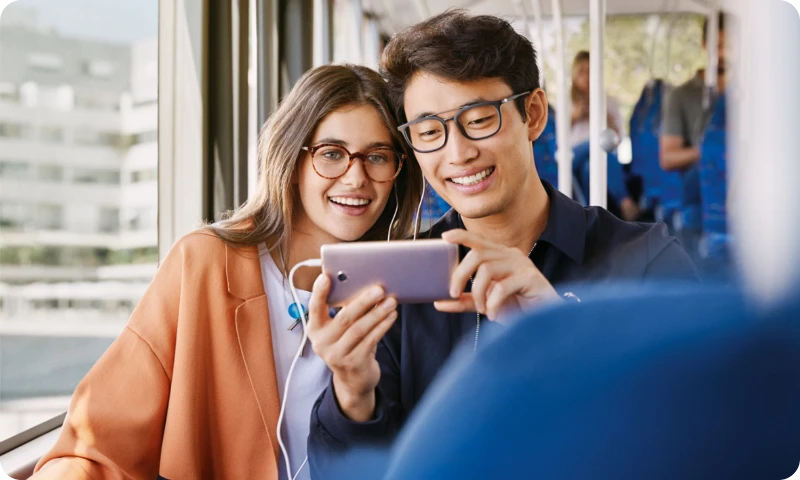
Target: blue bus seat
x=645 y=126
x=544 y=157
x=713 y=184
x=662 y=190
x=615 y=176
x=433 y=207
x=544 y=150
x=661 y=383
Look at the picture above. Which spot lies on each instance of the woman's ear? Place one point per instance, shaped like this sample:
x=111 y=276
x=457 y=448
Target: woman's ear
x=536 y=110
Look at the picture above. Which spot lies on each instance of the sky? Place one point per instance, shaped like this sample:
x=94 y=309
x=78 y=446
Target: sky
x=121 y=21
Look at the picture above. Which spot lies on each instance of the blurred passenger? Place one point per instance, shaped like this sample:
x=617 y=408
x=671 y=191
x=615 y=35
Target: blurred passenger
x=468 y=89
x=684 y=121
x=619 y=201
x=192 y=387
x=580 y=102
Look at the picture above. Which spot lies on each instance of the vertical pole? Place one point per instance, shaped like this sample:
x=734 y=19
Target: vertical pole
x=712 y=51
x=268 y=38
x=537 y=19
x=598 y=169
x=371 y=42
x=564 y=154
x=764 y=112
x=253 y=125
x=358 y=28
x=422 y=9
x=321 y=37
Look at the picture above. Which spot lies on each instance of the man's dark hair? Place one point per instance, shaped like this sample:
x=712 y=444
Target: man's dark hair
x=720 y=22
x=462 y=48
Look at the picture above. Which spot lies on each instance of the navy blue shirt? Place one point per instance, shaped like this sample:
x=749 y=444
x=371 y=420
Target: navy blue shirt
x=579 y=248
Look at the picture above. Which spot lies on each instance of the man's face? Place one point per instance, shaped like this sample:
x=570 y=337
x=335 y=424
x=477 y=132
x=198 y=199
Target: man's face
x=478 y=178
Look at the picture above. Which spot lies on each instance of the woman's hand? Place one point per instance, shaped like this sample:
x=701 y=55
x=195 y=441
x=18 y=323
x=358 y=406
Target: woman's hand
x=347 y=344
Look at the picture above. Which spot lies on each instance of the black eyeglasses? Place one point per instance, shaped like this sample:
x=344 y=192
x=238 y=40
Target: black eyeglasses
x=332 y=161
x=475 y=122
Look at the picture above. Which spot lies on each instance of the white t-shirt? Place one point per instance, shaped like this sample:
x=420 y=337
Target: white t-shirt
x=310 y=376
x=580 y=130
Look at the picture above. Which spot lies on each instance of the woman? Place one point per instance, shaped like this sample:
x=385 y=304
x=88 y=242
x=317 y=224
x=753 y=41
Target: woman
x=191 y=388
x=619 y=201
x=580 y=102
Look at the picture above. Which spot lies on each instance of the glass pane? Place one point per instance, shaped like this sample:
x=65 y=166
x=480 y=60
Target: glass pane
x=78 y=191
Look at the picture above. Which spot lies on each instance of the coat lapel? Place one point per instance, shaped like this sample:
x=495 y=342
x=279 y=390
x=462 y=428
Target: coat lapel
x=243 y=269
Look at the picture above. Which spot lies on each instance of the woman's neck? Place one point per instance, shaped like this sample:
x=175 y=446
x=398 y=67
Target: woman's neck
x=303 y=246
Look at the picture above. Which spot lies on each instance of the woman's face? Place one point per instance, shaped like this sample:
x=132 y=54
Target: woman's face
x=580 y=76
x=343 y=209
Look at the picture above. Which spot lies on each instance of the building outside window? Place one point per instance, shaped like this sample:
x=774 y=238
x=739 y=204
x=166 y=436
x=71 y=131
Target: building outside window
x=14 y=169
x=70 y=276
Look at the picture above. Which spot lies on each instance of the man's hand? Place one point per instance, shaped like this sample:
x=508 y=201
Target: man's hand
x=347 y=344
x=503 y=279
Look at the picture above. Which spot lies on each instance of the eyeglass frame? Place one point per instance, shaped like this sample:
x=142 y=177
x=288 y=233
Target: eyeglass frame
x=495 y=103
x=352 y=158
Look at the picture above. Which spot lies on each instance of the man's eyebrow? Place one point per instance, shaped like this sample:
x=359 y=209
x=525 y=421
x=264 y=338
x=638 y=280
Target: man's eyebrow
x=431 y=114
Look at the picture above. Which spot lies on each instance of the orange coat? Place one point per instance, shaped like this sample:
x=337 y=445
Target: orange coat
x=188 y=390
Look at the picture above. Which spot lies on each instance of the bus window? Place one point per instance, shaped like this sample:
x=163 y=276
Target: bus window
x=78 y=193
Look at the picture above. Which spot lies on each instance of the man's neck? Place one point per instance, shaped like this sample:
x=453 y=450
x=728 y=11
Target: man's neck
x=520 y=225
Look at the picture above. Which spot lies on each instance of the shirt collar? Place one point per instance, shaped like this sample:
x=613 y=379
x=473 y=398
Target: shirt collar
x=566 y=224
x=565 y=230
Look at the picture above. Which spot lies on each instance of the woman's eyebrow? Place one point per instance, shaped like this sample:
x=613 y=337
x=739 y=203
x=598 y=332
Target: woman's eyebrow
x=338 y=141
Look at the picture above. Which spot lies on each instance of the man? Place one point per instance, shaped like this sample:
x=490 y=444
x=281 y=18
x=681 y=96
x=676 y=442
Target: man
x=691 y=384
x=468 y=91
x=683 y=123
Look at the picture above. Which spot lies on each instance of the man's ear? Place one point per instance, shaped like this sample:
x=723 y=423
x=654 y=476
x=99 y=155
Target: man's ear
x=536 y=109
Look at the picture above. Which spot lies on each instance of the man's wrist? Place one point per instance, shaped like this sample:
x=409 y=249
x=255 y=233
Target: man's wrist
x=356 y=407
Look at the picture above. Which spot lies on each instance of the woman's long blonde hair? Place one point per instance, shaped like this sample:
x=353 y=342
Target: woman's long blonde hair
x=267 y=216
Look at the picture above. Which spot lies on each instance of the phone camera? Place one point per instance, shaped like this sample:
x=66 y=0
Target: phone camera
x=342 y=277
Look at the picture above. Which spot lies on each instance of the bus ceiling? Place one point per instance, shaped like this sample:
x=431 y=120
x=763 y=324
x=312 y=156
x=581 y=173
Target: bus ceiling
x=407 y=12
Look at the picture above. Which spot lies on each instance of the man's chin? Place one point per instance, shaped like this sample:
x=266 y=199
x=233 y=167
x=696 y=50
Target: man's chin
x=476 y=211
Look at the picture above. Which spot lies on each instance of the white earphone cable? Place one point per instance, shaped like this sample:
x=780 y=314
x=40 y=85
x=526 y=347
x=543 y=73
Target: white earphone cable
x=417 y=216
x=314 y=262
x=396 y=207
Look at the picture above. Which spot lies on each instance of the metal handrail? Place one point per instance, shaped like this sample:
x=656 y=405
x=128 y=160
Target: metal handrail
x=31 y=434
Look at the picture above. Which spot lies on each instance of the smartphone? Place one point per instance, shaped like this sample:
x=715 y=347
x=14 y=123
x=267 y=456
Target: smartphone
x=411 y=271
